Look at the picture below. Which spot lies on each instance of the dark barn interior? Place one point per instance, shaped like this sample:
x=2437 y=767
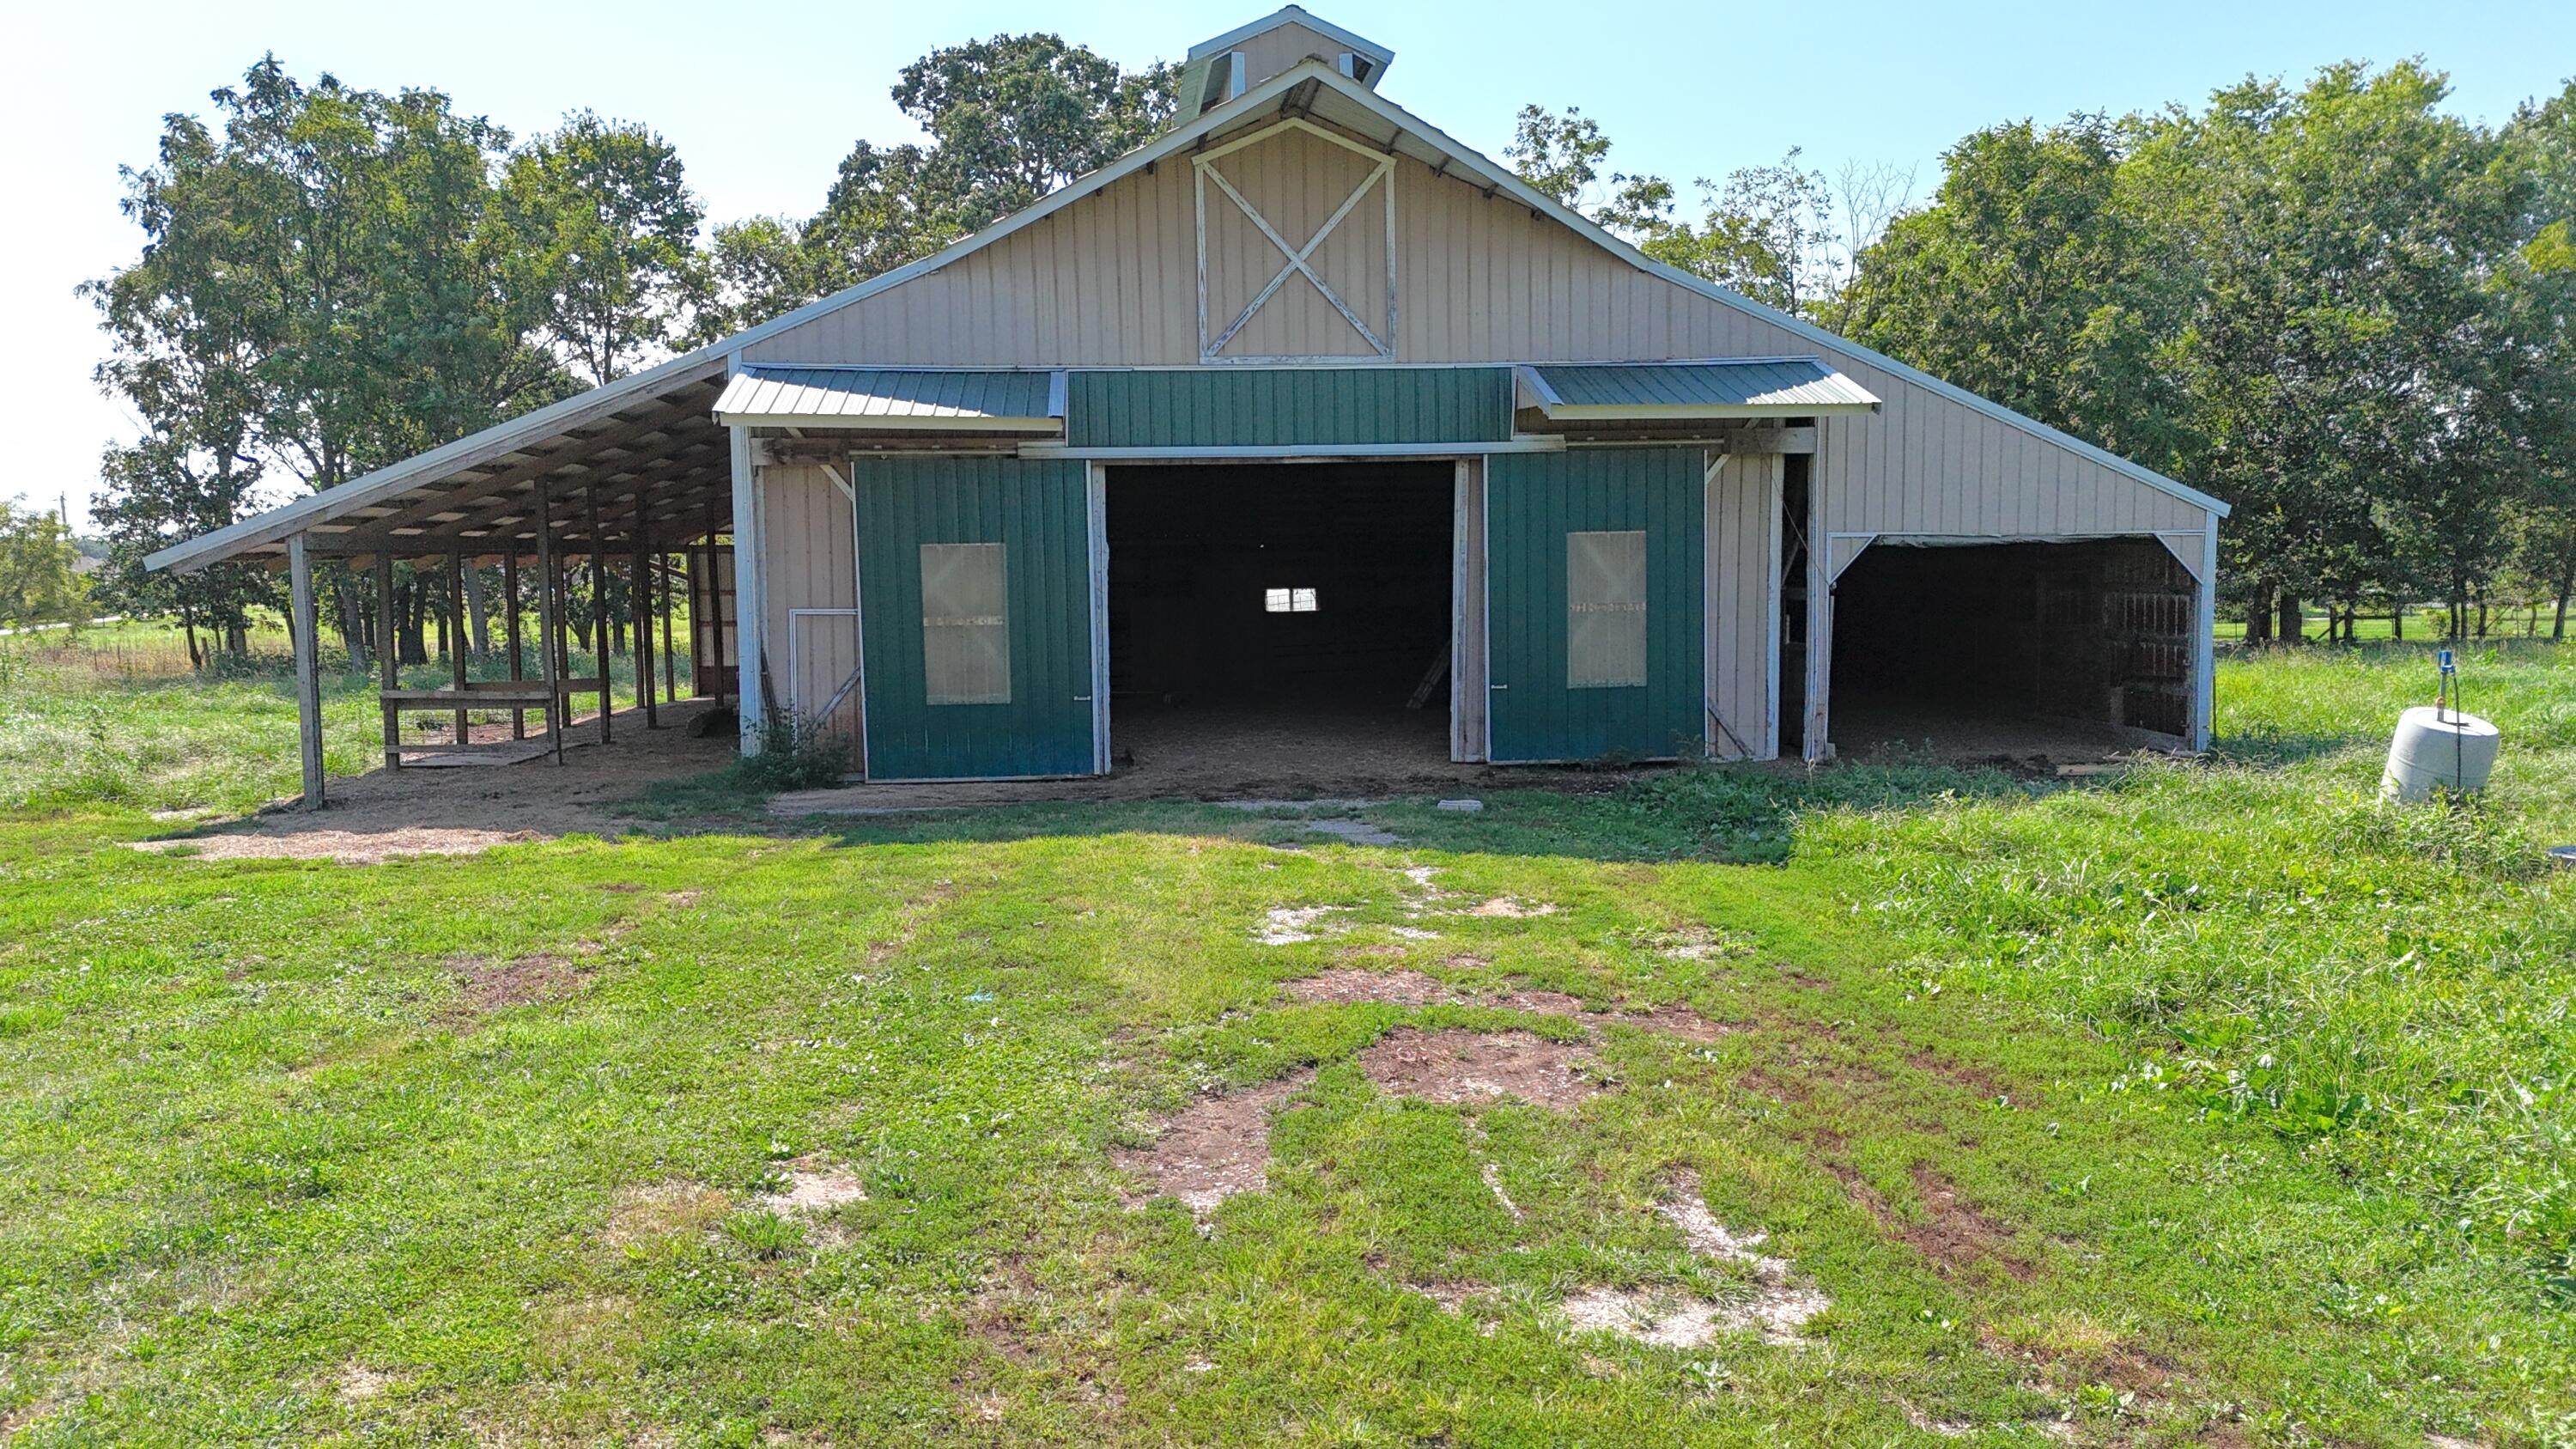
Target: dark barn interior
x=2047 y=650
x=1280 y=602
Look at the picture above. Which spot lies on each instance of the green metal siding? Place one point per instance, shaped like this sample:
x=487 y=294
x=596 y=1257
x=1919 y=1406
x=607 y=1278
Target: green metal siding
x=1039 y=512
x=1533 y=500
x=1286 y=407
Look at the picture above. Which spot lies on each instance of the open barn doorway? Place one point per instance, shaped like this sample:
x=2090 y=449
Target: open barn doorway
x=2019 y=654
x=1280 y=628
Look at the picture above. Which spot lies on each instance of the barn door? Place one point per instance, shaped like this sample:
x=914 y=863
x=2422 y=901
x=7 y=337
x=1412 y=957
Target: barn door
x=1594 y=585
x=711 y=618
x=975 y=589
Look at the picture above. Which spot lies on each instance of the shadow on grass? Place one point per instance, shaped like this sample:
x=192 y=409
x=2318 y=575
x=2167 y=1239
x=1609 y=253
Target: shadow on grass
x=1731 y=813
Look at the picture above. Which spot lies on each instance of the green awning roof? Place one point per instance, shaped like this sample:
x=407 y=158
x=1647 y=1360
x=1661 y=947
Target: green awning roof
x=1753 y=387
x=940 y=399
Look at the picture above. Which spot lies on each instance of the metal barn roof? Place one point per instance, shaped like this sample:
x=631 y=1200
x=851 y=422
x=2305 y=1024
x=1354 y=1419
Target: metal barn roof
x=1753 y=387
x=943 y=399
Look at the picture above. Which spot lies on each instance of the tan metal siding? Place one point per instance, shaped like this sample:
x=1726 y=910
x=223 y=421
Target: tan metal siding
x=807 y=565
x=1112 y=281
x=1743 y=532
x=1280 y=47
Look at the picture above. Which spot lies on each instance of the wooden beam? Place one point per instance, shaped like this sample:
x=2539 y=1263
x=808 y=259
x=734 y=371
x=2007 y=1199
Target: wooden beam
x=599 y=614
x=549 y=619
x=510 y=626
x=388 y=655
x=504 y=521
x=308 y=667
x=674 y=421
x=500 y=497
x=456 y=636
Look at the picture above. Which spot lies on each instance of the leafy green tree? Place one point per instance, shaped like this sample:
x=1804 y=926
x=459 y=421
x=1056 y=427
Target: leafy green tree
x=39 y=584
x=597 y=226
x=2540 y=293
x=316 y=297
x=2341 y=360
x=2039 y=277
x=1016 y=116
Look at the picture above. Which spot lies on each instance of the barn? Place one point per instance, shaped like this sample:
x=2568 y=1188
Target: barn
x=1306 y=417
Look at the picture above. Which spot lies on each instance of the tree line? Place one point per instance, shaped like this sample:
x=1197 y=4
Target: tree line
x=333 y=279
x=2332 y=304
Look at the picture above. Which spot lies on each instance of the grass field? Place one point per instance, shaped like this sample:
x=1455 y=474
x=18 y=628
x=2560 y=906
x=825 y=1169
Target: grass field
x=2207 y=1104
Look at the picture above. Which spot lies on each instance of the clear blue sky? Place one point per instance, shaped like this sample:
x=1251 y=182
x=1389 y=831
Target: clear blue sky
x=763 y=100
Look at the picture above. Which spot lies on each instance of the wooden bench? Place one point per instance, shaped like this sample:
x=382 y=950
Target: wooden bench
x=515 y=695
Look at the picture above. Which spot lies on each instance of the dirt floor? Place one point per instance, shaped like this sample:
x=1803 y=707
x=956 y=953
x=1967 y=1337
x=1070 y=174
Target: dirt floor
x=1233 y=752
x=380 y=814
x=1864 y=729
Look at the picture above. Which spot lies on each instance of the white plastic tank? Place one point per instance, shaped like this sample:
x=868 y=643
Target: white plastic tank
x=2438 y=747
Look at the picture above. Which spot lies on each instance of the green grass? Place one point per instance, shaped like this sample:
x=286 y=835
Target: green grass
x=2260 y=1093
x=77 y=730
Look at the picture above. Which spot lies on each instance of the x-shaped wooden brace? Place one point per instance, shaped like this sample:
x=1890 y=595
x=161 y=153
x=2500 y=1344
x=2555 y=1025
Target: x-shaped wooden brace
x=1297 y=256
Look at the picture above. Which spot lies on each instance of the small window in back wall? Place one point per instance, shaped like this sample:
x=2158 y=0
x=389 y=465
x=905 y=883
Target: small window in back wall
x=1605 y=610
x=965 y=624
x=1288 y=601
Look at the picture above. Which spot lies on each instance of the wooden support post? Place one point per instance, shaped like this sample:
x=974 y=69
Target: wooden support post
x=670 y=668
x=456 y=637
x=388 y=656
x=642 y=604
x=308 y=668
x=599 y=612
x=510 y=625
x=549 y=620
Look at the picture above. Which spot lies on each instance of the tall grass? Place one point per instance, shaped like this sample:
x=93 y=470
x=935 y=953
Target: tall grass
x=80 y=728
x=2388 y=988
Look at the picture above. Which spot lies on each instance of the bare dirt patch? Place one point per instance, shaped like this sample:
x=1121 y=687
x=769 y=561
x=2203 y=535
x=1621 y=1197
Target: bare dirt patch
x=1975 y=1079
x=1539 y=1000
x=1674 y=1019
x=2070 y=1353
x=358 y=1382
x=1664 y=1317
x=1455 y=1065
x=815 y=1184
x=650 y=1210
x=383 y=814
x=1291 y=925
x=1779 y=1306
x=1511 y=908
x=349 y=847
x=1217 y=1147
x=1956 y=1238
x=1346 y=985
x=520 y=981
x=1958 y=1235
x=1452 y=1294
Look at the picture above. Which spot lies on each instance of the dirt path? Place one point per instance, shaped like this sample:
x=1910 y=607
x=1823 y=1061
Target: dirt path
x=381 y=814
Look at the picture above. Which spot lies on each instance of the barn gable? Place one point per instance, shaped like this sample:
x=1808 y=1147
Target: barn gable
x=1310 y=220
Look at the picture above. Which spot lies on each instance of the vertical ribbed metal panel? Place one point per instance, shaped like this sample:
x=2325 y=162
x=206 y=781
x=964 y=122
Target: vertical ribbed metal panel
x=1533 y=500
x=1285 y=407
x=1037 y=511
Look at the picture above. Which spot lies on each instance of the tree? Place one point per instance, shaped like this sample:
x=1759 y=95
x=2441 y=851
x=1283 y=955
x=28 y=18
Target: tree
x=38 y=583
x=316 y=296
x=2341 y=360
x=2036 y=278
x=2540 y=293
x=1771 y=233
x=1016 y=116
x=597 y=226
